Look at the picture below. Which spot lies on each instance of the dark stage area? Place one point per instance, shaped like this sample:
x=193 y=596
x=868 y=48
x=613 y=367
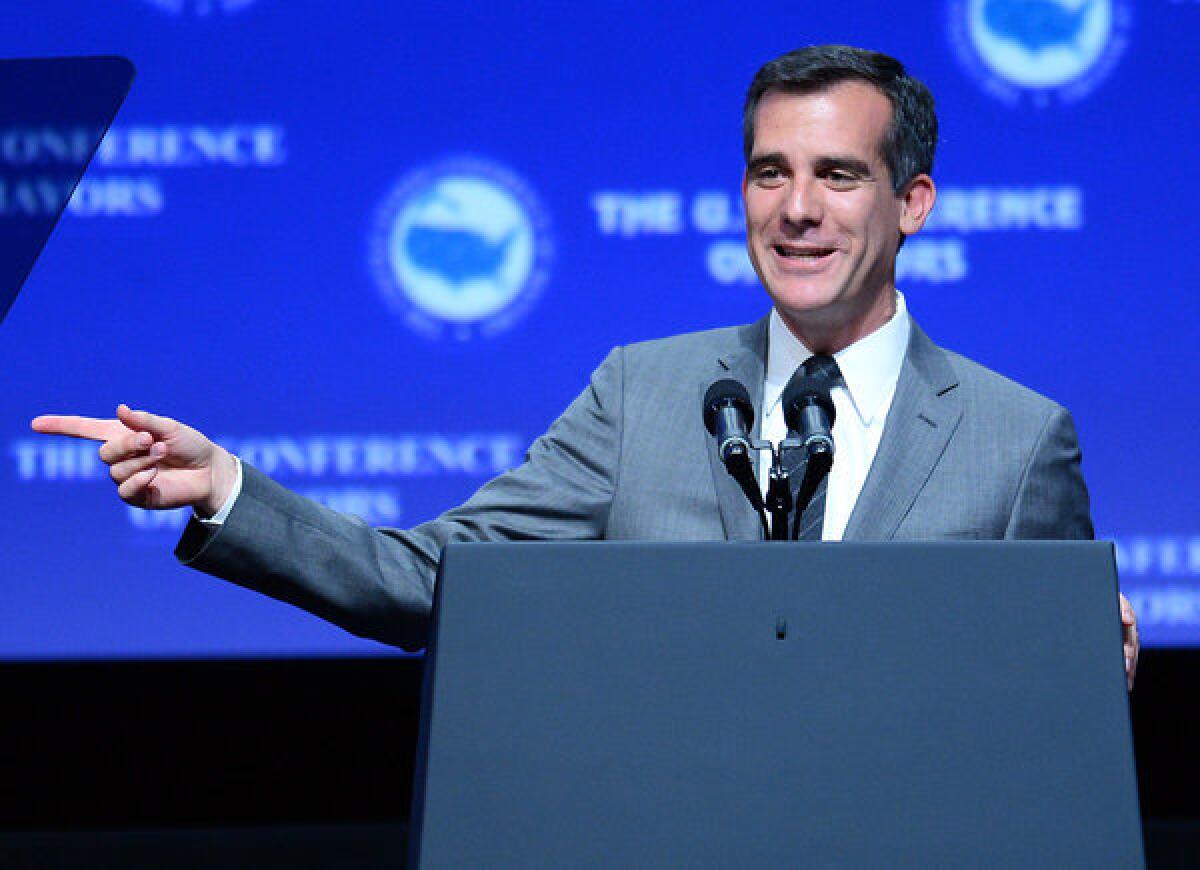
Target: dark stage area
x=309 y=762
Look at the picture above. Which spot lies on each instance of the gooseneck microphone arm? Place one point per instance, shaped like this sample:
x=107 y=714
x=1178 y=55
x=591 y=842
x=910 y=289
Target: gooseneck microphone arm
x=742 y=469
x=814 y=472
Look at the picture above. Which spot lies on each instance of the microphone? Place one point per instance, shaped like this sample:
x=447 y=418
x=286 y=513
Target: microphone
x=728 y=415
x=808 y=410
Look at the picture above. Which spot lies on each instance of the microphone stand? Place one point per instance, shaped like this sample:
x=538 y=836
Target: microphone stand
x=779 y=495
x=779 y=503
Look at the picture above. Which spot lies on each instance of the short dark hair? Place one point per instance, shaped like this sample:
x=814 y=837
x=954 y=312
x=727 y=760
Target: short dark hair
x=909 y=143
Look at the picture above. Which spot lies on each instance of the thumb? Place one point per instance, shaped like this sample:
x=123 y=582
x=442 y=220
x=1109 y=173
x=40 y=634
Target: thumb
x=1127 y=616
x=144 y=421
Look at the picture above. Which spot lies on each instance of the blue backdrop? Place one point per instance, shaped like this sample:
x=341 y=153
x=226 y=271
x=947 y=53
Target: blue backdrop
x=377 y=247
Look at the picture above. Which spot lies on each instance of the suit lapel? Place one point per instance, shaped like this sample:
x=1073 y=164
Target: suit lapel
x=745 y=364
x=924 y=414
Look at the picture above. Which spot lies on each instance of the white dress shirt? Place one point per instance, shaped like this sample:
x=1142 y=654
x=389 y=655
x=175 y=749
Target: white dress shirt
x=219 y=517
x=870 y=369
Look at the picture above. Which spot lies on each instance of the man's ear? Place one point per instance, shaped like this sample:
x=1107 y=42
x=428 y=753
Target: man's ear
x=917 y=202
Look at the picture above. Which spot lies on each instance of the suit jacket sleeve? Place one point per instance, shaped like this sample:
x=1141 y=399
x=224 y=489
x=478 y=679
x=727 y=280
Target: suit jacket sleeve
x=378 y=583
x=1052 y=499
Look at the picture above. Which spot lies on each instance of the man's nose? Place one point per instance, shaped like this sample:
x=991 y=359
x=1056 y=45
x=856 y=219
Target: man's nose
x=803 y=206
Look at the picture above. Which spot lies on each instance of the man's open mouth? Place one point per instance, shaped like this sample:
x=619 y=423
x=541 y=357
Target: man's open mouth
x=808 y=253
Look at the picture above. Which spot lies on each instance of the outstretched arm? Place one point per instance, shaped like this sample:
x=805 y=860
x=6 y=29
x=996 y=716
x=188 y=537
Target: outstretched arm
x=375 y=583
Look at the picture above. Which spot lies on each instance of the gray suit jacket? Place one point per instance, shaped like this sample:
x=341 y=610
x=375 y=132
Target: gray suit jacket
x=965 y=454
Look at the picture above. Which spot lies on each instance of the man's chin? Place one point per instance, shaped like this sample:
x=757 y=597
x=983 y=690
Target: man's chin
x=815 y=304
x=805 y=290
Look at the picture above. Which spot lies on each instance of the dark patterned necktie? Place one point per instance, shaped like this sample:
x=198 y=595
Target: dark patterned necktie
x=825 y=369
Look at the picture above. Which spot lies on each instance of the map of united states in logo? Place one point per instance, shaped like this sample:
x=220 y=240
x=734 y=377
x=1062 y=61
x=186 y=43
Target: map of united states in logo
x=1036 y=24
x=457 y=256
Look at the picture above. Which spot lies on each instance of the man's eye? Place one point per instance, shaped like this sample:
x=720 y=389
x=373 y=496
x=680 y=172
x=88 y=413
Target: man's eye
x=768 y=175
x=841 y=179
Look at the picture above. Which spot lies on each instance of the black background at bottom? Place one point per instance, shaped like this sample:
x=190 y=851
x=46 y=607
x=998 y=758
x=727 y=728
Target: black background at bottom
x=207 y=763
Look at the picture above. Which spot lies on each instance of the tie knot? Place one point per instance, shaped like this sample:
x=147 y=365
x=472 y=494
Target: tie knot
x=824 y=368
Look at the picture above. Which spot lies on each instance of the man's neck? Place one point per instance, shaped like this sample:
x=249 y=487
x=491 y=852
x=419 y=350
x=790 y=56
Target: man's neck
x=835 y=332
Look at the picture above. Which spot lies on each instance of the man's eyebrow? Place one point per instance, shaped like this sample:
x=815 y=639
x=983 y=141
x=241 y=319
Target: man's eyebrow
x=827 y=163
x=842 y=161
x=773 y=158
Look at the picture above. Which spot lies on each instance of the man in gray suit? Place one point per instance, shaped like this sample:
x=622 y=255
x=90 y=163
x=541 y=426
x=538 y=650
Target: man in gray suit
x=839 y=149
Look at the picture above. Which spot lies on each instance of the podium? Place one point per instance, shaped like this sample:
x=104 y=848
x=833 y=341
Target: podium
x=762 y=704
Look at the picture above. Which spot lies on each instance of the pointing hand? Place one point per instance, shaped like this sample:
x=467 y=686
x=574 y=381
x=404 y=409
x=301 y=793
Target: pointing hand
x=156 y=462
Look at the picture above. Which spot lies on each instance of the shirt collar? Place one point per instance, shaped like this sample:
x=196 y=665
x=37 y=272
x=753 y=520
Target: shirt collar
x=870 y=367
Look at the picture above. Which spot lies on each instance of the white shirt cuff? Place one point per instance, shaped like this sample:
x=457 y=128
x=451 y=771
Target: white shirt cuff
x=218 y=519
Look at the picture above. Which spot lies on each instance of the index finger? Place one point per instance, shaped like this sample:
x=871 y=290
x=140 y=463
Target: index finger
x=92 y=428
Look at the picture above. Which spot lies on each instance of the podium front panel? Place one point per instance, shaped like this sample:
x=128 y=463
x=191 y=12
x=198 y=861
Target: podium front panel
x=950 y=704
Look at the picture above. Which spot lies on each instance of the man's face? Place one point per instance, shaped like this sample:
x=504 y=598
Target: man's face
x=822 y=222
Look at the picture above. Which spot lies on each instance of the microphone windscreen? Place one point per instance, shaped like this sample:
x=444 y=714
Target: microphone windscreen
x=722 y=392
x=804 y=390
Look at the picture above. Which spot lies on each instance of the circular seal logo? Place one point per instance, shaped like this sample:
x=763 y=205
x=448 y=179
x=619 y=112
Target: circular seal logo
x=461 y=248
x=1037 y=51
